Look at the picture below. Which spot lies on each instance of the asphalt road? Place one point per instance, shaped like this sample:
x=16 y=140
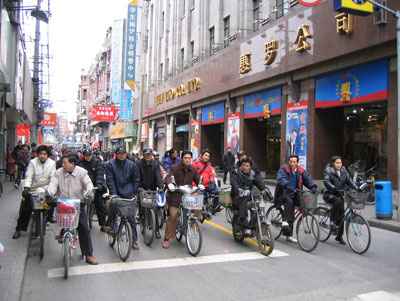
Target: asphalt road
x=224 y=270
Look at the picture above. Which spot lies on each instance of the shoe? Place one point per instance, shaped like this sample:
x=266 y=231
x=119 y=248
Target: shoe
x=285 y=224
x=52 y=220
x=158 y=235
x=91 y=260
x=135 y=245
x=165 y=244
x=16 y=235
x=340 y=240
x=291 y=239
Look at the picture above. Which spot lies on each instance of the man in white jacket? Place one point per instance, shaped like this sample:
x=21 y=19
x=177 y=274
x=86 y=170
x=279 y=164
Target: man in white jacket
x=39 y=173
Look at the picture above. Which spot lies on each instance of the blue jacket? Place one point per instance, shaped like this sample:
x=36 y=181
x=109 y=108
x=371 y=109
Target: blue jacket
x=283 y=179
x=168 y=163
x=122 y=178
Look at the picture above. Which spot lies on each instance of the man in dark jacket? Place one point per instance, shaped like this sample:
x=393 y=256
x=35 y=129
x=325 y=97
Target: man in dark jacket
x=291 y=177
x=150 y=176
x=185 y=174
x=95 y=171
x=123 y=179
x=228 y=162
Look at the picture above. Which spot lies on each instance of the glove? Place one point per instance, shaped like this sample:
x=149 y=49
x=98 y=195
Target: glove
x=266 y=194
x=314 y=189
x=290 y=188
x=201 y=187
x=244 y=192
x=171 y=187
x=99 y=187
x=25 y=193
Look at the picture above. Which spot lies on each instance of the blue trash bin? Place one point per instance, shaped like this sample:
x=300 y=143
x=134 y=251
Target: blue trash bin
x=383 y=200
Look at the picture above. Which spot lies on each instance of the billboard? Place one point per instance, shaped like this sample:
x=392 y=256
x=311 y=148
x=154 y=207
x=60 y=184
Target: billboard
x=125 y=105
x=50 y=119
x=130 y=55
x=104 y=113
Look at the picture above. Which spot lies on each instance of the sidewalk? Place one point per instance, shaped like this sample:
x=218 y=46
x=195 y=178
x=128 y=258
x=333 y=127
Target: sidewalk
x=13 y=259
x=368 y=212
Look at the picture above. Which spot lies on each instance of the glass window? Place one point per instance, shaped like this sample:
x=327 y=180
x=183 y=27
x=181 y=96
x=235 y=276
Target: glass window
x=212 y=42
x=226 y=31
x=256 y=10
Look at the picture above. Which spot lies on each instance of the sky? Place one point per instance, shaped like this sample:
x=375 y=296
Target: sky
x=77 y=30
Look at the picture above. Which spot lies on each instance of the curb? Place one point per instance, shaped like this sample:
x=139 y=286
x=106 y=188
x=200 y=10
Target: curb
x=385 y=225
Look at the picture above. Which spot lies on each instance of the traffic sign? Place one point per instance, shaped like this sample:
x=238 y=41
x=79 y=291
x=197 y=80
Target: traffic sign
x=309 y=2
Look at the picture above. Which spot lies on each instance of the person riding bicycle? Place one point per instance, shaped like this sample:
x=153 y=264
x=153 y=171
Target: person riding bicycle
x=184 y=174
x=95 y=169
x=291 y=177
x=242 y=181
x=73 y=182
x=150 y=176
x=123 y=179
x=40 y=171
x=205 y=170
x=336 y=178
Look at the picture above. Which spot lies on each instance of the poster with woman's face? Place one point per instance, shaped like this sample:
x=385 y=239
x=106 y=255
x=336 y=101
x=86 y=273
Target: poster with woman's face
x=233 y=132
x=194 y=138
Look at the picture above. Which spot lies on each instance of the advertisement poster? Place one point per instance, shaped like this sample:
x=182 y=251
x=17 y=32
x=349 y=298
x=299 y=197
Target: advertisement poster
x=104 y=113
x=233 y=132
x=213 y=113
x=50 y=119
x=194 y=138
x=255 y=104
x=296 y=131
x=125 y=105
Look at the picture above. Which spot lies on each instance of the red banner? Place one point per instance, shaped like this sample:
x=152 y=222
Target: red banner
x=50 y=119
x=104 y=113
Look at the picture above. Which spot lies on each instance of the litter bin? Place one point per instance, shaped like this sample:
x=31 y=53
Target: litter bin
x=383 y=200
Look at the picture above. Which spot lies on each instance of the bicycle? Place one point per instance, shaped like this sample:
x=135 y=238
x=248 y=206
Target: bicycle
x=122 y=230
x=307 y=229
x=225 y=200
x=147 y=216
x=358 y=232
x=207 y=205
x=161 y=210
x=366 y=179
x=257 y=225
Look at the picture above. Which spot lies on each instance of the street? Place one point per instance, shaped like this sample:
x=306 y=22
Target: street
x=224 y=270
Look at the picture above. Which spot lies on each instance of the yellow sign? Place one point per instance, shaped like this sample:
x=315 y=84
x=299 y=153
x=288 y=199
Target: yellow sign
x=345 y=92
x=271 y=52
x=303 y=33
x=344 y=23
x=117 y=131
x=267 y=112
x=245 y=63
x=181 y=90
x=131 y=84
x=355 y=7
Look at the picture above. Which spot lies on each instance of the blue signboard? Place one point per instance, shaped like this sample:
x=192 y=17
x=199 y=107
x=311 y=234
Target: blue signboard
x=353 y=85
x=254 y=103
x=213 y=113
x=125 y=105
x=131 y=44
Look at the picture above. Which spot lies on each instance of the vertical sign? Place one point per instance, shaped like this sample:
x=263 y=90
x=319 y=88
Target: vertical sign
x=296 y=131
x=233 y=132
x=125 y=105
x=116 y=63
x=131 y=44
x=194 y=138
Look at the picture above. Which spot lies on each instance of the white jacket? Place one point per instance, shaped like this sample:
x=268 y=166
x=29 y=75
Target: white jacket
x=38 y=174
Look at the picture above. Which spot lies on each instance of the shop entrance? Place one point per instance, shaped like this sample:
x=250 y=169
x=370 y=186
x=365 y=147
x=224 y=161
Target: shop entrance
x=181 y=141
x=212 y=137
x=262 y=141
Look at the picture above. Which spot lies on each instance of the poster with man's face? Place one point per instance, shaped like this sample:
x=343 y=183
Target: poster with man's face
x=233 y=132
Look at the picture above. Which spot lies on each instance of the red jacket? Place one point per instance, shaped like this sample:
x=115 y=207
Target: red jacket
x=207 y=174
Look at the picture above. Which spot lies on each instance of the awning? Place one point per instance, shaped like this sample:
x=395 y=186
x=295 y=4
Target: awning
x=182 y=128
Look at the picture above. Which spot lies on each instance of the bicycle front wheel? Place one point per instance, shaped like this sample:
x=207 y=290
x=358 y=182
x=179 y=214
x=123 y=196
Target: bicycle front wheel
x=66 y=258
x=358 y=233
x=124 y=240
x=149 y=226
x=229 y=214
x=194 y=237
x=42 y=228
x=307 y=231
x=274 y=217
x=160 y=217
x=265 y=239
x=324 y=221
x=179 y=226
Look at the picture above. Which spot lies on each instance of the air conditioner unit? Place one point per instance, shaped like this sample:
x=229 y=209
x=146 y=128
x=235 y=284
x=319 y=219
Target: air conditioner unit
x=380 y=14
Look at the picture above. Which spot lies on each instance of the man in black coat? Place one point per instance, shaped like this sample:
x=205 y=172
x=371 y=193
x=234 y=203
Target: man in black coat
x=95 y=171
x=228 y=162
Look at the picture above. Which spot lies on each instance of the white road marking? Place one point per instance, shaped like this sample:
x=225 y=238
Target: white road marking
x=160 y=263
x=379 y=295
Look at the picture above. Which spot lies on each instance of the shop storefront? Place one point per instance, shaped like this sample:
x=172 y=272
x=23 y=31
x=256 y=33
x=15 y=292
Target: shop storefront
x=159 y=136
x=181 y=138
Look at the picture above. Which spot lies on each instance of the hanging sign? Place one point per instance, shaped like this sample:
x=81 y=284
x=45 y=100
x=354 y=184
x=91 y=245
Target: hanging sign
x=104 y=113
x=125 y=105
x=130 y=54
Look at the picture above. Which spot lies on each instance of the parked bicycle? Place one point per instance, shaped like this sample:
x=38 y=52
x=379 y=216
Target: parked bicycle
x=307 y=229
x=357 y=229
x=127 y=210
x=258 y=226
x=147 y=216
x=366 y=179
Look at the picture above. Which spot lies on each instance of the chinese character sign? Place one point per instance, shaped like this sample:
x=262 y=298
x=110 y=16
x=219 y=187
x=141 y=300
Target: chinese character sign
x=116 y=60
x=104 y=113
x=50 y=119
x=131 y=44
x=125 y=106
x=296 y=131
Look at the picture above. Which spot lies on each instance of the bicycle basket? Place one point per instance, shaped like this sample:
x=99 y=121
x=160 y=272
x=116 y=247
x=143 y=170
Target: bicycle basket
x=68 y=213
x=125 y=208
x=308 y=200
x=356 y=200
x=225 y=199
x=148 y=199
x=192 y=201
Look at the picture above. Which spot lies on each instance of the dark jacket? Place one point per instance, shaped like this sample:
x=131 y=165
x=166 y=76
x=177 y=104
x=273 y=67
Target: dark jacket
x=169 y=162
x=95 y=170
x=245 y=181
x=333 y=182
x=228 y=161
x=184 y=175
x=19 y=156
x=122 y=178
x=150 y=175
x=283 y=179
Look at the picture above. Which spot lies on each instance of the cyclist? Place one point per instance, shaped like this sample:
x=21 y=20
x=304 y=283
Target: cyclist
x=241 y=155
x=40 y=170
x=95 y=169
x=242 y=181
x=73 y=182
x=150 y=176
x=185 y=174
x=123 y=179
x=205 y=170
x=291 y=176
x=336 y=178
x=172 y=159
